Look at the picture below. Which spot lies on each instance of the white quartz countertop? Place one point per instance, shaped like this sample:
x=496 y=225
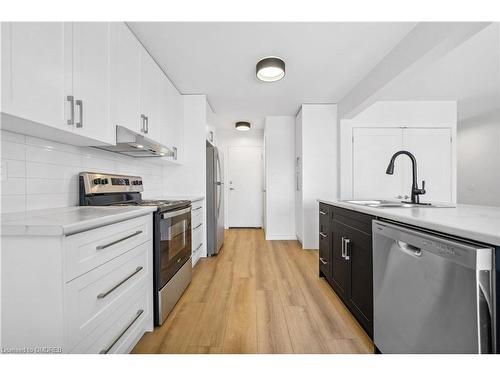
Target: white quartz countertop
x=479 y=223
x=67 y=220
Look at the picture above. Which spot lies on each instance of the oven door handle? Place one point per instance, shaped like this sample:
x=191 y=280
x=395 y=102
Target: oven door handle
x=168 y=215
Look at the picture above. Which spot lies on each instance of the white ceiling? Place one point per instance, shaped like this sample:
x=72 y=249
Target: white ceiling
x=323 y=61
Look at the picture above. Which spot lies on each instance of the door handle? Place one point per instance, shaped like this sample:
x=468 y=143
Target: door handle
x=231 y=188
x=322 y=260
x=71 y=100
x=322 y=234
x=322 y=212
x=147 y=125
x=347 y=241
x=79 y=103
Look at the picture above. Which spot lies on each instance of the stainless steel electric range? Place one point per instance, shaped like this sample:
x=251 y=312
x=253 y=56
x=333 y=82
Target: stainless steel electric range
x=171 y=233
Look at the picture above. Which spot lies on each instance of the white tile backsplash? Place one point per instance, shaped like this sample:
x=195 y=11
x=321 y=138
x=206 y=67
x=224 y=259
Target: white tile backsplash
x=38 y=173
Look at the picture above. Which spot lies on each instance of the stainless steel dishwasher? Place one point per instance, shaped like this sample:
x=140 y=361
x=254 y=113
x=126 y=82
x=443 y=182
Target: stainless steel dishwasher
x=432 y=294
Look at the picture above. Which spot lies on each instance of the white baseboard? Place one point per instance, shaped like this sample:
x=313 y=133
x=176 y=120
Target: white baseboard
x=280 y=237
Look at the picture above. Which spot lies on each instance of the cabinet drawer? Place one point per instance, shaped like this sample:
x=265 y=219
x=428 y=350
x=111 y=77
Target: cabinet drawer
x=197 y=238
x=93 y=297
x=119 y=332
x=88 y=250
x=325 y=254
x=196 y=208
x=197 y=223
x=358 y=220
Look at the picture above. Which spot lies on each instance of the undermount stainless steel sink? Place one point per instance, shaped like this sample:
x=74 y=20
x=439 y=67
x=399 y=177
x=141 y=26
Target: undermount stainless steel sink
x=395 y=204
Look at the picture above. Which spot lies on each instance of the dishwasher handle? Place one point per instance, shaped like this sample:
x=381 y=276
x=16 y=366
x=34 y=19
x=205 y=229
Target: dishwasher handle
x=485 y=327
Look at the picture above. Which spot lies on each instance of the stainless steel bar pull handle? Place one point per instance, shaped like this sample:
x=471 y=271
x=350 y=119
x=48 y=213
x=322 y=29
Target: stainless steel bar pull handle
x=71 y=100
x=110 y=346
x=199 y=225
x=197 y=208
x=199 y=246
x=322 y=234
x=101 y=247
x=79 y=103
x=105 y=294
x=147 y=125
x=347 y=241
x=322 y=212
x=343 y=248
x=143 y=123
x=322 y=260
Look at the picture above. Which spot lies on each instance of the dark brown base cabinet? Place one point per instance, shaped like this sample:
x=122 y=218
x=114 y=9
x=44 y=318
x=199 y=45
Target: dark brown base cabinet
x=346 y=259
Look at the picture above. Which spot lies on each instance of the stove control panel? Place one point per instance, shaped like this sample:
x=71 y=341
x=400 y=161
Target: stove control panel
x=100 y=183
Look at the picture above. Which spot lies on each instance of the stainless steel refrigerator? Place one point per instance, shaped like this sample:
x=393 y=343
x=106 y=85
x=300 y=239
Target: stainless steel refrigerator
x=215 y=201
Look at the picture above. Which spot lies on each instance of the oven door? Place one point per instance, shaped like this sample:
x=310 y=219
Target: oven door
x=175 y=242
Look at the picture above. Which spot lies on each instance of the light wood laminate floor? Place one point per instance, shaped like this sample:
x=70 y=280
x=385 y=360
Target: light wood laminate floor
x=258 y=296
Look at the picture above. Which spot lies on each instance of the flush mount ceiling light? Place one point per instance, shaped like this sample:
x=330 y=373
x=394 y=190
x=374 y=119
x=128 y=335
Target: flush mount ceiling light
x=270 y=69
x=242 y=126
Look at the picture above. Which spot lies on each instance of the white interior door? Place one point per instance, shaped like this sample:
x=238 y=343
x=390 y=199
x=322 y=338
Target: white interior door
x=432 y=149
x=245 y=186
x=372 y=151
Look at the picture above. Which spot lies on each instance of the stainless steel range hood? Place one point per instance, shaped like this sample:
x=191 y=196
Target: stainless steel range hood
x=136 y=145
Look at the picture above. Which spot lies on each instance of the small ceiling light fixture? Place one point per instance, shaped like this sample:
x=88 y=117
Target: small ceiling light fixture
x=270 y=69
x=242 y=126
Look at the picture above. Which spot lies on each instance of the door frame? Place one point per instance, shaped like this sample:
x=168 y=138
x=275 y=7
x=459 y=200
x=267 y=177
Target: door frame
x=226 y=181
x=347 y=150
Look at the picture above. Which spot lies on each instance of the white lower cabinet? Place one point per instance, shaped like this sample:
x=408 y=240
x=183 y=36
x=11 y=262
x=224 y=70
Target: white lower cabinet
x=197 y=231
x=60 y=295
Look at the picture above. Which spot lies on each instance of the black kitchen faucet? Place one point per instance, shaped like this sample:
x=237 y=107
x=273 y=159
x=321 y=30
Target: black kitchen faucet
x=415 y=190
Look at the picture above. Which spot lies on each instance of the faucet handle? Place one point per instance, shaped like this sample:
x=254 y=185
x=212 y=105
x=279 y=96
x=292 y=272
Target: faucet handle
x=422 y=191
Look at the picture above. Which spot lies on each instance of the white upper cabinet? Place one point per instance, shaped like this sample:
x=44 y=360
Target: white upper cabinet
x=91 y=80
x=372 y=150
x=125 y=78
x=168 y=115
x=151 y=81
x=432 y=148
x=75 y=82
x=33 y=71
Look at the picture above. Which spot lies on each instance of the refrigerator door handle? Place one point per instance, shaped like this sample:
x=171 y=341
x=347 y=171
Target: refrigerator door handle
x=218 y=184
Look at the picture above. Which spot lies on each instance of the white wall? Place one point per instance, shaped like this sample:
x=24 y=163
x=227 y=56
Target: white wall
x=468 y=73
x=231 y=138
x=479 y=160
x=319 y=161
x=280 y=177
x=38 y=173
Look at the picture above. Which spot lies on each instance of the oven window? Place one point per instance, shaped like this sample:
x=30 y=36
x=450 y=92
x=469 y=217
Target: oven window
x=175 y=244
x=176 y=235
